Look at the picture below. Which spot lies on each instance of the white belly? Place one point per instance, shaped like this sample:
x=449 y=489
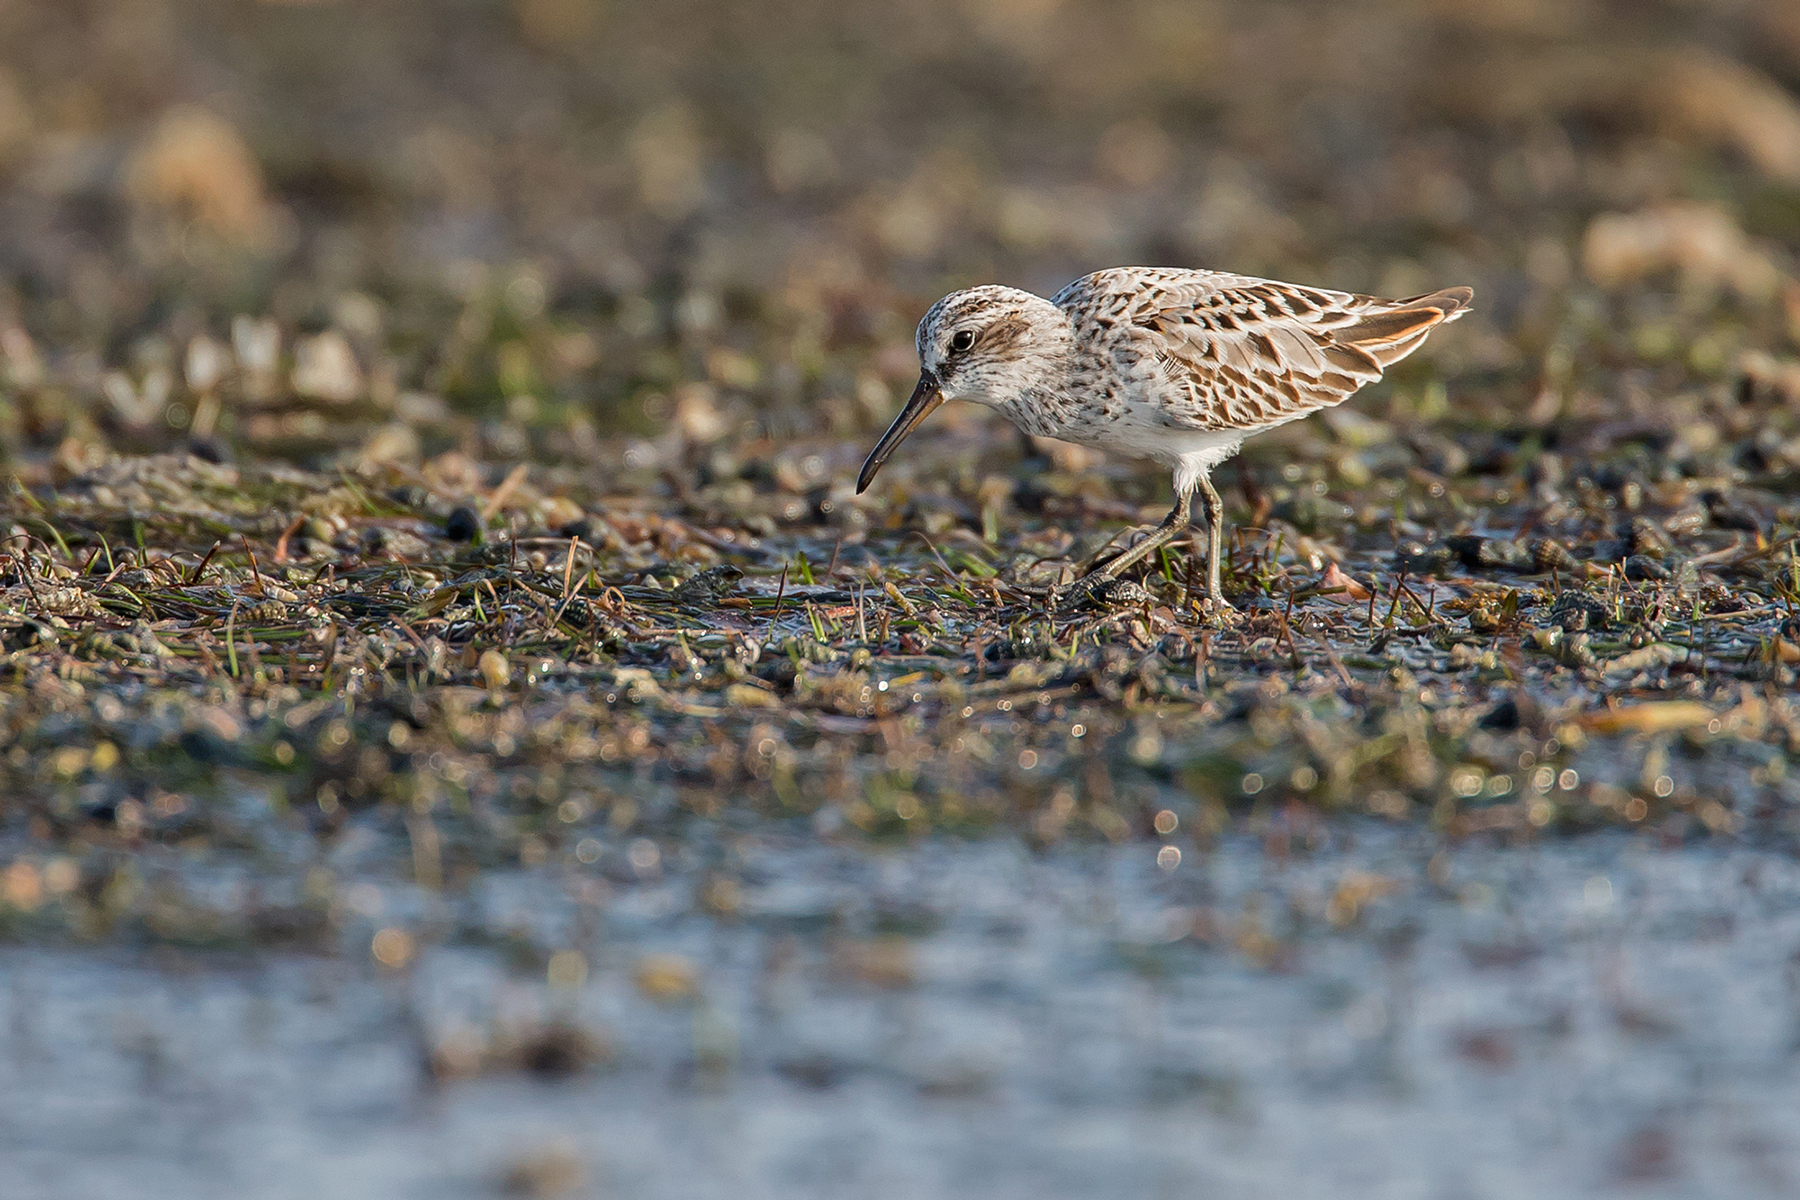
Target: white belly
x=1192 y=453
x=1170 y=447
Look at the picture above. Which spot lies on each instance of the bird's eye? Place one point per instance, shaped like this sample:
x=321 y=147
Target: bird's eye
x=961 y=340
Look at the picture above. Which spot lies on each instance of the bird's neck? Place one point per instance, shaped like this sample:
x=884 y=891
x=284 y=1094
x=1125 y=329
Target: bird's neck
x=1044 y=400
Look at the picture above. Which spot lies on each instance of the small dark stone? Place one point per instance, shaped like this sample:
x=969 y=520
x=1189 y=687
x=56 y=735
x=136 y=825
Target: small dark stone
x=1477 y=552
x=210 y=450
x=1416 y=558
x=1753 y=458
x=409 y=495
x=1030 y=496
x=580 y=527
x=203 y=747
x=560 y=1050
x=1727 y=514
x=1467 y=547
x=462 y=525
x=1504 y=715
x=1608 y=476
x=1643 y=567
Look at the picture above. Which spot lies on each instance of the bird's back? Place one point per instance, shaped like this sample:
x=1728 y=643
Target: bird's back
x=1216 y=352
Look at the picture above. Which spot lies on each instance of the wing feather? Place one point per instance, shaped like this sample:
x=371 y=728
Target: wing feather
x=1252 y=352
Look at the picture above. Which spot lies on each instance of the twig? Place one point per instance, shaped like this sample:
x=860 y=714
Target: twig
x=254 y=573
x=504 y=492
x=568 y=598
x=569 y=566
x=931 y=546
x=201 y=569
x=780 y=591
x=281 y=543
x=231 y=637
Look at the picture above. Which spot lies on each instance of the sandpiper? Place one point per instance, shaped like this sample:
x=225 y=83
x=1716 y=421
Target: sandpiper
x=1174 y=365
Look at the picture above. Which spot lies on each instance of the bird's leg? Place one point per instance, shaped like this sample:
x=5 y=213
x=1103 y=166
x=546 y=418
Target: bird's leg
x=1215 y=539
x=1099 y=584
x=1106 y=555
x=1172 y=526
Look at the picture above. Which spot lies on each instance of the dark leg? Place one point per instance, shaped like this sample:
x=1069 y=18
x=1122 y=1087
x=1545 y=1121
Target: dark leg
x=1173 y=525
x=1100 y=581
x=1215 y=541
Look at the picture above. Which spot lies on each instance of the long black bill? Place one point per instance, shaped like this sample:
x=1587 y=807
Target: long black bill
x=925 y=398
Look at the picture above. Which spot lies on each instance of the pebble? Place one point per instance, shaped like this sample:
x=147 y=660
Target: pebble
x=462 y=525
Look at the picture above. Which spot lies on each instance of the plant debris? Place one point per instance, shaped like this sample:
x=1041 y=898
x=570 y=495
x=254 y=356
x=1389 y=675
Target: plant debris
x=501 y=554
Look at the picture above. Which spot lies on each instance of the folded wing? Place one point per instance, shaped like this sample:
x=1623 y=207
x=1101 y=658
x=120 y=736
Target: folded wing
x=1247 y=352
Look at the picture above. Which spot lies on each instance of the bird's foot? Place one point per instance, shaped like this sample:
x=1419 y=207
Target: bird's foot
x=1218 y=611
x=1099 y=591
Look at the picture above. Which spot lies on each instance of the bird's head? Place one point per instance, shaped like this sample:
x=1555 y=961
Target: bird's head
x=986 y=344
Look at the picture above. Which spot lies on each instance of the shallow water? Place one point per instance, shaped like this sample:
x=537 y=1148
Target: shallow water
x=952 y=1019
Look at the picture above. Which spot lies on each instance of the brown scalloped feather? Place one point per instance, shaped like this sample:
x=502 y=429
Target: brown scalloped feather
x=1246 y=353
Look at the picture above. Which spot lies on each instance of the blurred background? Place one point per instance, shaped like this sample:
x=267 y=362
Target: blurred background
x=581 y=207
